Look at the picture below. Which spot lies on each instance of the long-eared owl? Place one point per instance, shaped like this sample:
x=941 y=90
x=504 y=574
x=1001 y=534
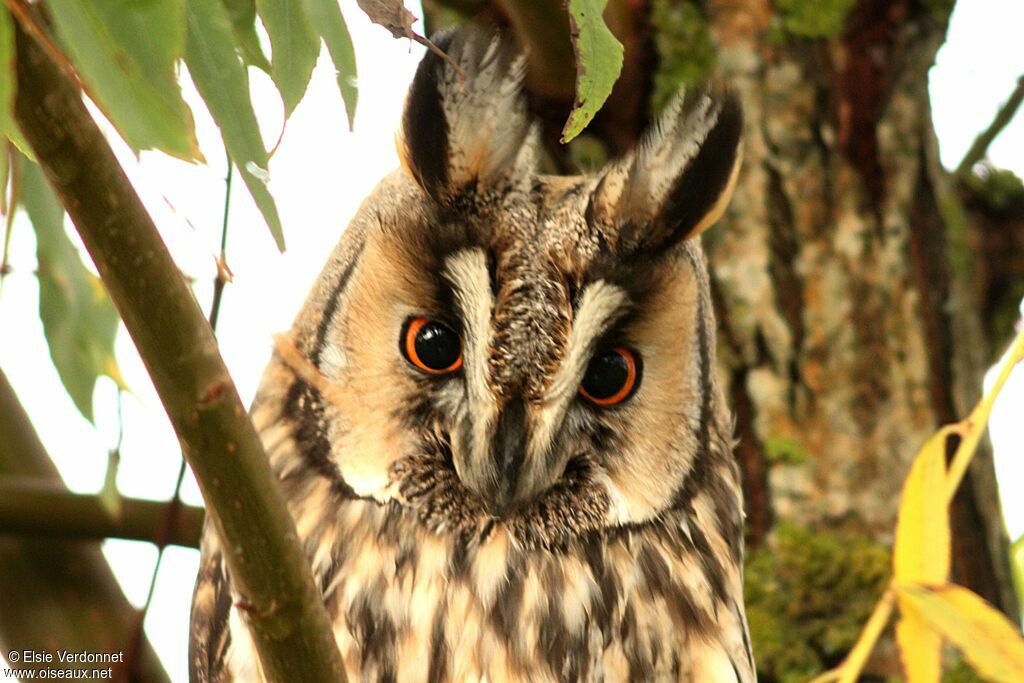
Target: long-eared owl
x=498 y=427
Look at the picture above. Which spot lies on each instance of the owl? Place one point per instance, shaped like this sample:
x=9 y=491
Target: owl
x=496 y=420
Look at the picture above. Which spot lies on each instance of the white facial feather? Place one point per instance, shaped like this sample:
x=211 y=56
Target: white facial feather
x=601 y=304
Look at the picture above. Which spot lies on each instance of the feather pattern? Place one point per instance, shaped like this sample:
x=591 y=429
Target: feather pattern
x=490 y=522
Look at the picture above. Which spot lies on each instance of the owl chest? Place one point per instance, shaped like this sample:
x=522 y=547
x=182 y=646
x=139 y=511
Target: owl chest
x=408 y=604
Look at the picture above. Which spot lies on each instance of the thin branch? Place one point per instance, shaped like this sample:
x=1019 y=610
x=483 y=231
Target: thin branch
x=36 y=508
x=268 y=566
x=981 y=143
x=223 y=275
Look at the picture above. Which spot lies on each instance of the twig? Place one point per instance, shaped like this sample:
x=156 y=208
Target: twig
x=269 y=570
x=979 y=148
x=223 y=275
x=84 y=516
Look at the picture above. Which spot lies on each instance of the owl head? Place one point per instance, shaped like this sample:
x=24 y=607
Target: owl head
x=505 y=347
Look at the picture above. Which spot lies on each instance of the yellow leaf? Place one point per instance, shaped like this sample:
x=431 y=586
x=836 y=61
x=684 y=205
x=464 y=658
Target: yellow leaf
x=921 y=553
x=920 y=648
x=987 y=639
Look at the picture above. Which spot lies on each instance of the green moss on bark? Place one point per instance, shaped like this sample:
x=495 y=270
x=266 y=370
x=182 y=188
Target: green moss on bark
x=686 y=52
x=961 y=673
x=998 y=195
x=814 y=18
x=939 y=9
x=785 y=450
x=808 y=595
x=1000 y=189
x=960 y=253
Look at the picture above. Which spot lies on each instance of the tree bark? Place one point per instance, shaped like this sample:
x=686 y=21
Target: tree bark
x=847 y=326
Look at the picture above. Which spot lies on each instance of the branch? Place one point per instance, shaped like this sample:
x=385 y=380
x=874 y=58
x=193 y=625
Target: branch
x=35 y=508
x=268 y=566
x=981 y=143
x=58 y=593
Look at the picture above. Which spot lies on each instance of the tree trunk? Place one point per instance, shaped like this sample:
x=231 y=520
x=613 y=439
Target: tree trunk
x=846 y=292
x=848 y=332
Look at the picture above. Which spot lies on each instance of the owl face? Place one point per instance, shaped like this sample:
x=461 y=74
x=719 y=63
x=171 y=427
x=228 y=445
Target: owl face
x=510 y=348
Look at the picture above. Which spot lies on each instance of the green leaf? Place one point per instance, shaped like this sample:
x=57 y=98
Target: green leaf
x=294 y=47
x=598 y=63
x=243 y=20
x=327 y=16
x=220 y=78
x=125 y=50
x=79 y=320
x=7 y=76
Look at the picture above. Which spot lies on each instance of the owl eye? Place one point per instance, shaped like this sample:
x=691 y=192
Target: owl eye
x=611 y=377
x=431 y=346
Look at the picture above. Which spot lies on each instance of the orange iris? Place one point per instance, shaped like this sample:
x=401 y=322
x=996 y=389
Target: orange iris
x=611 y=377
x=432 y=346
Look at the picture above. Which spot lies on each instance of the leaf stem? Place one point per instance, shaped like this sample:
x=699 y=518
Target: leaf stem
x=851 y=667
x=973 y=427
x=223 y=272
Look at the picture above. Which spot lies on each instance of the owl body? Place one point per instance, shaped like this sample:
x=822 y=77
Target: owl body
x=495 y=419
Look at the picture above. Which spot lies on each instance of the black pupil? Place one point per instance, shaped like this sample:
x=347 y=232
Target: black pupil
x=606 y=375
x=437 y=346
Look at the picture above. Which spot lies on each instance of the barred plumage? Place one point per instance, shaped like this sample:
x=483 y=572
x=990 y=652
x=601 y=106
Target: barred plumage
x=488 y=520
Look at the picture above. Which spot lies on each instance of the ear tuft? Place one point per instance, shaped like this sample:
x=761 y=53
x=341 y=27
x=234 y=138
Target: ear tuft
x=677 y=182
x=465 y=129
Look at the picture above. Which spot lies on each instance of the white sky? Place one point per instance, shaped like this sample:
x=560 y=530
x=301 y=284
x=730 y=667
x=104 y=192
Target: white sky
x=319 y=175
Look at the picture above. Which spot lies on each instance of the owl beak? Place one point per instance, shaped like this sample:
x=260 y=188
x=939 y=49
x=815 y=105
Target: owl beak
x=508 y=451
